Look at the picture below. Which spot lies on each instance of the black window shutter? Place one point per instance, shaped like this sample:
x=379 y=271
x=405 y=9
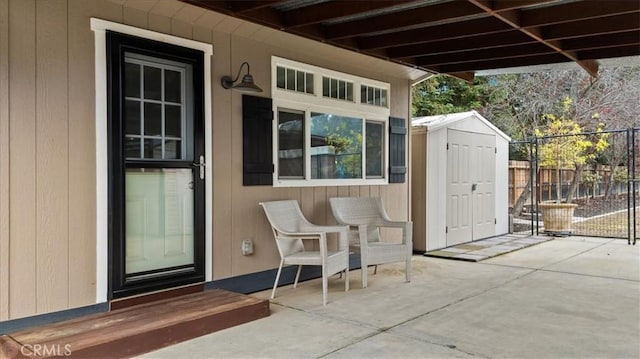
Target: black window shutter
x=257 y=152
x=397 y=155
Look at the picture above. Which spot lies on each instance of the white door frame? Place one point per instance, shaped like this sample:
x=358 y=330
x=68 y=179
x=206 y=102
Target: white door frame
x=99 y=28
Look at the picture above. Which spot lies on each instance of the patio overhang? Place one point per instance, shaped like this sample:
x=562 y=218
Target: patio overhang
x=458 y=37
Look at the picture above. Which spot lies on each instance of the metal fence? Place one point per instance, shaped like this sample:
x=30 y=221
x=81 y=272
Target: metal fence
x=599 y=172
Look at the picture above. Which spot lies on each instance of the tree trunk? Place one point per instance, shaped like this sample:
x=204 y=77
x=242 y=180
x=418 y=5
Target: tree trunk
x=522 y=199
x=577 y=176
x=524 y=196
x=558 y=185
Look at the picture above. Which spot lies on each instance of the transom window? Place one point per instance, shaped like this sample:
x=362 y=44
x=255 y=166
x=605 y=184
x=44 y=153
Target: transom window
x=373 y=96
x=332 y=137
x=294 y=80
x=337 y=89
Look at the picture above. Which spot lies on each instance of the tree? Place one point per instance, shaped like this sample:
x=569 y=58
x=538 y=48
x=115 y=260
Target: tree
x=443 y=94
x=565 y=146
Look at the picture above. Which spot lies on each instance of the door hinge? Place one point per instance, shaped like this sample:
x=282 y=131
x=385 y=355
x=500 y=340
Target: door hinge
x=495 y=150
x=495 y=221
x=446 y=229
x=447 y=146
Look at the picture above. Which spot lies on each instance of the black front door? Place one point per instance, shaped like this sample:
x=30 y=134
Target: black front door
x=156 y=165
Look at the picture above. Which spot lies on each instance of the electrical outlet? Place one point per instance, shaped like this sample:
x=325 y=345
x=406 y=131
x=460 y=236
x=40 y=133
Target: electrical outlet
x=247 y=247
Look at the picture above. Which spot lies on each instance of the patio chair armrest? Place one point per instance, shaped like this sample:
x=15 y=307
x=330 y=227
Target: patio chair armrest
x=395 y=224
x=343 y=238
x=324 y=229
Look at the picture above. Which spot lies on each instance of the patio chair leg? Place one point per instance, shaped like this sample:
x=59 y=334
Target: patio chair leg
x=275 y=284
x=325 y=285
x=364 y=270
x=346 y=279
x=295 y=282
x=408 y=270
x=375 y=269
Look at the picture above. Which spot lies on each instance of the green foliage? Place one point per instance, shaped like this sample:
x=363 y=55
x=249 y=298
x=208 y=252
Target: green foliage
x=565 y=145
x=620 y=175
x=590 y=179
x=339 y=143
x=442 y=94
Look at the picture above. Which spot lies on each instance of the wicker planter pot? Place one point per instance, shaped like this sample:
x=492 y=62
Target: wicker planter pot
x=557 y=217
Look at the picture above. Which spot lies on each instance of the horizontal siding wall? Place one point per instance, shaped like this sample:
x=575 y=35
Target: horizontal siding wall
x=47 y=160
x=4 y=159
x=47 y=144
x=238 y=204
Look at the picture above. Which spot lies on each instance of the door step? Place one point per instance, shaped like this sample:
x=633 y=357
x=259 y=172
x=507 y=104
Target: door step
x=138 y=329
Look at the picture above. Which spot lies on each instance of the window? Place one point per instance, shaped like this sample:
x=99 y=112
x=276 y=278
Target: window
x=294 y=80
x=373 y=96
x=290 y=144
x=336 y=146
x=331 y=137
x=375 y=149
x=337 y=89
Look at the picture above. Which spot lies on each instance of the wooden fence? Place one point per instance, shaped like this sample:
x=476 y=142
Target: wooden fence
x=520 y=171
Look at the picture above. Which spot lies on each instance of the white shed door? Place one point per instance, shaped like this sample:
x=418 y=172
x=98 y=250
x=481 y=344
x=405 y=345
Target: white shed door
x=470 y=186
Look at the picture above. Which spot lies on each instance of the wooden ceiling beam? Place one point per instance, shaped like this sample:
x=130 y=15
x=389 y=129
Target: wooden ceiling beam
x=501 y=5
x=318 y=13
x=471 y=43
x=484 y=55
x=610 y=52
x=407 y=19
x=464 y=76
x=577 y=11
x=606 y=25
x=434 y=33
x=249 y=5
x=630 y=38
x=535 y=32
x=501 y=63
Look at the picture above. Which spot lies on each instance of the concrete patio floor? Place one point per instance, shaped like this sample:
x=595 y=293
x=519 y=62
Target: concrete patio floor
x=573 y=297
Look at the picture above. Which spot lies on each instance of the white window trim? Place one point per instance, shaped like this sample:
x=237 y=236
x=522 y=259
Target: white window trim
x=307 y=103
x=99 y=28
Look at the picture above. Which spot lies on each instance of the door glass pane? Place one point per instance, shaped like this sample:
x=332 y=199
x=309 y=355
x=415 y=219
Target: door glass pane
x=172 y=86
x=132 y=147
x=336 y=146
x=153 y=149
x=152 y=83
x=152 y=119
x=172 y=149
x=375 y=147
x=290 y=145
x=132 y=80
x=172 y=121
x=159 y=219
x=132 y=117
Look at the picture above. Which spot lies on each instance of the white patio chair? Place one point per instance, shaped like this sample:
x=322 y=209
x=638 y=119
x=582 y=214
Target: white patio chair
x=290 y=227
x=365 y=216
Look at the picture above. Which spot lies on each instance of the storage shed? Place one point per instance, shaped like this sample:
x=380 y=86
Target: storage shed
x=459 y=180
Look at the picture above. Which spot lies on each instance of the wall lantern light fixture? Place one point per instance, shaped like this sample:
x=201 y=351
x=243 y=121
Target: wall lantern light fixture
x=247 y=83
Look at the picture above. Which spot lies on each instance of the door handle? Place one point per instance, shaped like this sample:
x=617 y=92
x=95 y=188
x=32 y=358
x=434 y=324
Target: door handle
x=201 y=165
x=474 y=186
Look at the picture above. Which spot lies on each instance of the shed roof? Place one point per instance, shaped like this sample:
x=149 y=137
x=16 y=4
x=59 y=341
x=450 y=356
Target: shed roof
x=436 y=122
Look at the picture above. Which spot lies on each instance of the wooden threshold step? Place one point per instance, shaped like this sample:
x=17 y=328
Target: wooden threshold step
x=139 y=329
